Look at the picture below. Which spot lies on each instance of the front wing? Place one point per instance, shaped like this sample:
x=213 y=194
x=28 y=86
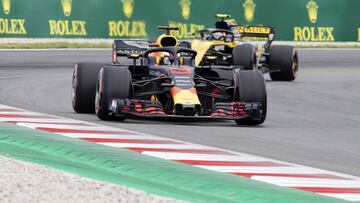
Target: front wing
x=154 y=110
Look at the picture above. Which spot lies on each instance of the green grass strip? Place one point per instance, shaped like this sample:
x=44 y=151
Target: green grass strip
x=150 y=174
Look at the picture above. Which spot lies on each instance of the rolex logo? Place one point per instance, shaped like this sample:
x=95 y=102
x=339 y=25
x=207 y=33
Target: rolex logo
x=249 y=10
x=6 y=6
x=185 y=8
x=312 y=8
x=128 y=7
x=66 y=5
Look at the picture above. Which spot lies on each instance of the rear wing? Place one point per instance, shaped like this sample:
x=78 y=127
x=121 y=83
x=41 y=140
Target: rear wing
x=124 y=48
x=256 y=31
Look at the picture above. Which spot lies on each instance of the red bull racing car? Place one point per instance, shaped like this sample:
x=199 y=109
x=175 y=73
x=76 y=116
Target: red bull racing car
x=163 y=82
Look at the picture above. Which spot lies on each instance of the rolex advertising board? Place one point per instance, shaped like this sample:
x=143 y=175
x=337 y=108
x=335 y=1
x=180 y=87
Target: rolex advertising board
x=298 y=20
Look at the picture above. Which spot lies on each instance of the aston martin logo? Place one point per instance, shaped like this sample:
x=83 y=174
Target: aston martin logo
x=66 y=5
x=249 y=10
x=312 y=8
x=128 y=7
x=185 y=8
x=6 y=6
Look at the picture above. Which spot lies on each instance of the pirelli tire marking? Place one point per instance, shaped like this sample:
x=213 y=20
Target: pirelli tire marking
x=272 y=171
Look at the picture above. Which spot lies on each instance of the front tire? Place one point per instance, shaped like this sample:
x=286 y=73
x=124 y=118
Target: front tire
x=252 y=88
x=244 y=55
x=284 y=62
x=83 y=86
x=113 y=83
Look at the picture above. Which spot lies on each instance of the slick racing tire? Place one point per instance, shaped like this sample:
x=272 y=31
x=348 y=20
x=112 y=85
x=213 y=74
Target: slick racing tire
x=244 y=55
x=113 y=82
x=283 y=63
x=83 y=87
x=252 y=88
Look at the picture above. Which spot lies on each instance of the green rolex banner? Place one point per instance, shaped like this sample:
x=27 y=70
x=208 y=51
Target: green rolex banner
x=297 y=20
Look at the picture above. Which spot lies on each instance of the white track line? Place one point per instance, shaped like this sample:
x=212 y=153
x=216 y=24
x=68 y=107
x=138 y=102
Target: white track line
x=161 y=146
x=109 y=136
x=309 y=182
x=350 y=197
x=203 y=157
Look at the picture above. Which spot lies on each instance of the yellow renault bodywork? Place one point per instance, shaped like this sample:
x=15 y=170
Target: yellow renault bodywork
x=202 y=47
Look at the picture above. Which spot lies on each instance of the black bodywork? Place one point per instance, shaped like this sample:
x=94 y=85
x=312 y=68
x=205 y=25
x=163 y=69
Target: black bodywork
x=156 y=83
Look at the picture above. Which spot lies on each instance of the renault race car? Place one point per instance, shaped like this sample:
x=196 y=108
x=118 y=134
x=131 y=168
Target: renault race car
x=162 y=82
x=226 y=45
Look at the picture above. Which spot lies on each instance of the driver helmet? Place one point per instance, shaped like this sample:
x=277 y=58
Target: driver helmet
x=167 y=59
x=219 y=35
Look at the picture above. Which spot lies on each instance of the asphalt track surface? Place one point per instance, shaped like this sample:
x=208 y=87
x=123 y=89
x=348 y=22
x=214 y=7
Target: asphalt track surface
x=313 y=121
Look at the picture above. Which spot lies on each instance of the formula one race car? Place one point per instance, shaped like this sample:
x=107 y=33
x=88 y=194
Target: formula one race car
x=162 y=82
x=225 y=45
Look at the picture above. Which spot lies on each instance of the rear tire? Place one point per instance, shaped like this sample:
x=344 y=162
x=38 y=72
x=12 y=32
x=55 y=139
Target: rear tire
x=113 y=82
x=83 y=87
x=252 y=88
x=244 y=55
x=283 y=58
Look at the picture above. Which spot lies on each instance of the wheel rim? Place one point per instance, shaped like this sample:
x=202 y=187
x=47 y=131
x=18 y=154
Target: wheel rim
x=254 y=61
x=254 y=64
x=74 y=86
x=295 y=64
x=98 y=93
x=263 y=116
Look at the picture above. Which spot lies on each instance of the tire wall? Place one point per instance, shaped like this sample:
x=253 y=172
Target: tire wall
x=297 y=20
